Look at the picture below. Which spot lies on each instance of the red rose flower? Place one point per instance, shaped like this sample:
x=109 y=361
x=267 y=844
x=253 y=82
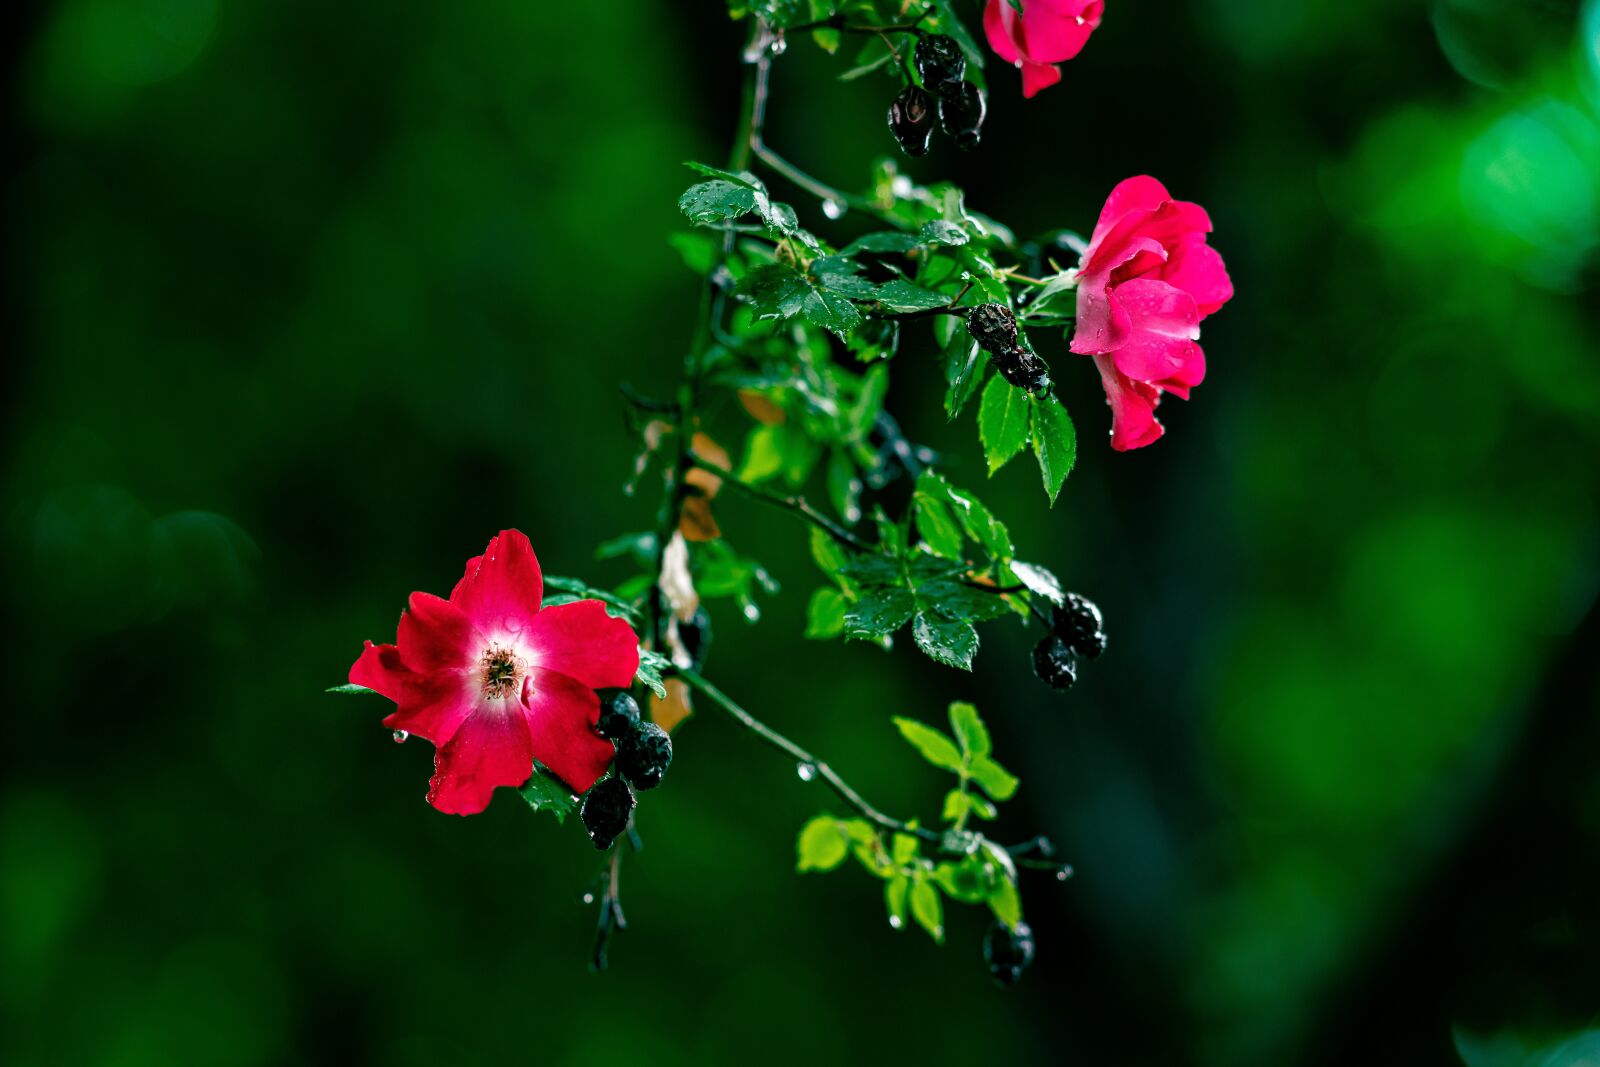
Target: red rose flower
x=496 y=683
x=1042 y=34
x=1144 y=283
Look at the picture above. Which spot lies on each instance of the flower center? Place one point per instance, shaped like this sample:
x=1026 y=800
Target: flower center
x=502 y=672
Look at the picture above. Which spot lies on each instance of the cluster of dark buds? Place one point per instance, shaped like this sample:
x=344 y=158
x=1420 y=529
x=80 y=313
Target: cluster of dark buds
x=995 y=329
x=1077 y=629
x=1008 y=950
x=960 y=104
x=644 y=751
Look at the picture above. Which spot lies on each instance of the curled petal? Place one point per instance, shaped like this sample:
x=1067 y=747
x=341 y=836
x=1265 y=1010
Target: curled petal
x=581 y=641
x=561 y=713
x=492 y=748
x=502 y=589
x=1139 y=193
x=1133 y=407
x=1038 y=76
x=1197 y=269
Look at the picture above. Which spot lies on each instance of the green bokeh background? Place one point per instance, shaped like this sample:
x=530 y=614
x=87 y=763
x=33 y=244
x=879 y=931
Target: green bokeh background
x=310 y=299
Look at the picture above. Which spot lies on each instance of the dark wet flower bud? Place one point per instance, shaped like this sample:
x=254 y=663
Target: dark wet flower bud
x=1079 y=621
x=1055 y=663
x=1008 y=950
x=605 y=810
x=618 y=713
x=940 y=61
x=993 y=327
x=696 y=636
x=643 y=755
x=1023 y=369
x=961 y=111
x=911 y=120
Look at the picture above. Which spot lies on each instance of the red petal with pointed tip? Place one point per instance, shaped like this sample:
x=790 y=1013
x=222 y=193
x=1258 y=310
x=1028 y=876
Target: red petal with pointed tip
x=501 y=593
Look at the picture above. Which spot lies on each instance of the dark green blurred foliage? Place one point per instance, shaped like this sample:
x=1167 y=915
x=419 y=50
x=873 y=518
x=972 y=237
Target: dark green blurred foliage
x=311 y=299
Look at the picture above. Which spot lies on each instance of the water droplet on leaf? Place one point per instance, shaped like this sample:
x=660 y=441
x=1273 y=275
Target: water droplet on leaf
x=400 y=736
x=894 y=921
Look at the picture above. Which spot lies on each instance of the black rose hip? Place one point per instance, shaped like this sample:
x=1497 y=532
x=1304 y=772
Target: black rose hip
x=1079 y=621
x=643 y=755
x=1008 y=950
x=1023 y=369
x=1055 y=663
x=911 y=120
x=961 y=111
x=618 y=714
x=993 y=327
x=939 y=61
x=605 y=811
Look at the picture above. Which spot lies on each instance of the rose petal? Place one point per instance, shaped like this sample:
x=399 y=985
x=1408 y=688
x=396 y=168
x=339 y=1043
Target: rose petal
x=1133 y=407
x=561 y=713
x=1164 y=324
x=492 y=748
x=1037 y=76
x=436 y=635
x=581 y=641
x=1139 y=193
x=502 y=591
x=1197 y=269
x=1053 y=31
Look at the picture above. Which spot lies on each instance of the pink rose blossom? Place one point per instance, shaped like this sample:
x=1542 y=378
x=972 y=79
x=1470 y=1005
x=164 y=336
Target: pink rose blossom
x=1144 y=283
x=1042 y=34
x=495 y=682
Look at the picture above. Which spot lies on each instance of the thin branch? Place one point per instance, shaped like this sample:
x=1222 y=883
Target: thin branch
x=797 y=504
x=804 y=759
x=611 y=918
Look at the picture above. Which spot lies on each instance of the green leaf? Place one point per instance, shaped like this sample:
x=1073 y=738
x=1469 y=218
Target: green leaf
x=969 y=729
x=901 y=295
x=545 y=792
x=825 y=614
x=651 y=665
x=880 y=611
x=698 y=248
x=830 y=555
x=874 y=391
x=952 y=642
x=777 y=290
x=940 y=232
x=928 y=910
x=969 y=881
x=844 y=486
x=352 y=690
x=1039 y=580
x=935 y=747
x=904 y=847
x=895 y=891
x=843 y=276
x=1002 y=422
x=821 y=846
x=957 y=802
x=964 y=367
x=1006 y=902
x=720 y=199
x=998 y=782
x=1055 y=442
x=938 y=529
x=883 y=241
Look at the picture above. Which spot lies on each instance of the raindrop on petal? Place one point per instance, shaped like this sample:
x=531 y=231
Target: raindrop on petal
x=400 y=736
